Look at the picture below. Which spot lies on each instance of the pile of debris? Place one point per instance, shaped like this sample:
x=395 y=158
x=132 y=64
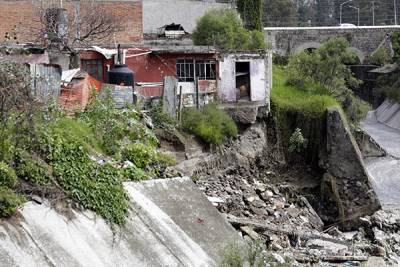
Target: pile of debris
x=266 y=202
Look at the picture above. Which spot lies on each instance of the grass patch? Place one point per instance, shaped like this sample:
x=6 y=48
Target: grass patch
x=79 y=131
x=286 y=97
x=302 y=109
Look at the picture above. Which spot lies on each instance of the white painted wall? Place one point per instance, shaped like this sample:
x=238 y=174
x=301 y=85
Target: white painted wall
x=258 y=80
x=260 y=76
x=227 y=80
x=157 y=13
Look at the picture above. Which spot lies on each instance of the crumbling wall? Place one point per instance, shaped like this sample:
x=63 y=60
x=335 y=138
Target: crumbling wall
x=157 y=13
x=346 y=189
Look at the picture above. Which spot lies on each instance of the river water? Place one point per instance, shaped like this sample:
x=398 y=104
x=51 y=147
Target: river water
x=385 y=171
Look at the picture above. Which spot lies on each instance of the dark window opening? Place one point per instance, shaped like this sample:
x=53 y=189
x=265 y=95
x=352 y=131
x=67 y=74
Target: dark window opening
x=243 y=80
x=187 y=70
x=205 y=69
x=94 y=67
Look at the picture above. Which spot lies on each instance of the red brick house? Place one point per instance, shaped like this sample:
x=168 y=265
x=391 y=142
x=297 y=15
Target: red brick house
x=21 y=18
x=186 y=63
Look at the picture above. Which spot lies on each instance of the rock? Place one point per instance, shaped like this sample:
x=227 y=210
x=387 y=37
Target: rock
x=276 y=247
x=326 y=245
x=250 y=199
x=365 y=222
x=260 y=189
x=215 y=200
x=258 y=203
x=278 y=258
x=379 y=251
x=250 y=232
x=279 y=205
x=375 y=262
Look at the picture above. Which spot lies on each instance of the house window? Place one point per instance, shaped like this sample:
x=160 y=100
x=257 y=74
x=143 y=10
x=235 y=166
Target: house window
x=205 y=69
x=94 y=67
x=187 y=70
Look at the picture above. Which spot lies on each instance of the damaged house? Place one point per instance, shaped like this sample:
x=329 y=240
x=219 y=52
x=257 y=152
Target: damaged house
x=197 y=75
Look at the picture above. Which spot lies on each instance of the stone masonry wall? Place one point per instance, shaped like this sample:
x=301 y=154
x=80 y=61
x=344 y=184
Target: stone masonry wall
x=361 y=40
x=22 y=17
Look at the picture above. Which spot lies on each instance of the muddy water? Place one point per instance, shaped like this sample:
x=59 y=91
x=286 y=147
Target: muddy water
x=385 y=171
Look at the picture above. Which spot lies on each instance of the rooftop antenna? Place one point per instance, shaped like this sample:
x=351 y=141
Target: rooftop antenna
x=115 y=41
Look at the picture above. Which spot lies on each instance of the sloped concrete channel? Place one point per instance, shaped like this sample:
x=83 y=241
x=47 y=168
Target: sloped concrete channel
x=383 y=125
x=171 y=223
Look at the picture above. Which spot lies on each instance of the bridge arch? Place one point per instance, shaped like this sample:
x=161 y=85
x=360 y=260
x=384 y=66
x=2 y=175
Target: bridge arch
x=359 y=53
x=306 y=46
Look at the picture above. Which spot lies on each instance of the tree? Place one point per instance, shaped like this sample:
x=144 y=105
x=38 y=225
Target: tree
x=81 y=24
x=325 y=70
x=224 y=28
x=251 y=12
x=306 y=12
x=325 y=66
x=280 y=13
x=16 y=106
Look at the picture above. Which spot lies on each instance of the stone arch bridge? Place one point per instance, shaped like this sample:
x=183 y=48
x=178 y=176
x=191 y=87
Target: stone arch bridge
x=363 y=40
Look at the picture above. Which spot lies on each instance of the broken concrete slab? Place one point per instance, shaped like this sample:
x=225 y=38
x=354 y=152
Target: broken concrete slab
x=171 y=223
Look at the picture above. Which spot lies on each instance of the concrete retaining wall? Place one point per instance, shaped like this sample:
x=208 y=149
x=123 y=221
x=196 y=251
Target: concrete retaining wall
x=171 y=223
x=389 y=114
x=346 y=187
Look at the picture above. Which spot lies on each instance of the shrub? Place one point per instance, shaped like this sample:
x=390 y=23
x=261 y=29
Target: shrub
x=145 y=156
x=135 y=174
x=161 y=119
x=32 y=169
x=379 y=57
x=96 y=187
x=297 y=142
x=8 y=178
x=224 y=28
x=111 y=126
x=212 y=125
x=9 y=202
x=139 y=154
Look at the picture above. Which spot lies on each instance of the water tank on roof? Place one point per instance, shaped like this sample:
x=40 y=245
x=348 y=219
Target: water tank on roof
x=121 y=75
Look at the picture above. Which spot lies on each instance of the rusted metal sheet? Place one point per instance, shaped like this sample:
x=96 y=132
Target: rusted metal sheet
x=46 y=82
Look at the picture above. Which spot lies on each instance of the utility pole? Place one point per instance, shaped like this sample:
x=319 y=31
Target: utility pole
x=358 y=14
x=395 y=12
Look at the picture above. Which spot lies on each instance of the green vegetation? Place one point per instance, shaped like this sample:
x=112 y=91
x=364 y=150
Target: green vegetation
x=380 y=57
x=297 y=108
x=251 y=12
x=251 y=253
x=286 y=97
x=224 y=28
x=161 y=119
x=396 y=46
x=325 y=69
x=212 y=125
x=62 y=157
x=7 y=176
x=9 y=202
x=297 y=142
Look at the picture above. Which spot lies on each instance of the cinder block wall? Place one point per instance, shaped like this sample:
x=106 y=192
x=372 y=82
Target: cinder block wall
x=22 y=17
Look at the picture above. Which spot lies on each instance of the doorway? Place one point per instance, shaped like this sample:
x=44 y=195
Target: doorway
x=242 y=80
